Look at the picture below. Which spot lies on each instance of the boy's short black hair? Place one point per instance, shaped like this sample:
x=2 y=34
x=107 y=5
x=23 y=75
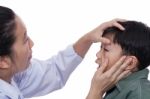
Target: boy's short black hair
x=134 y=40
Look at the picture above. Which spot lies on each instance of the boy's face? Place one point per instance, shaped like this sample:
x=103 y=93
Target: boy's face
x=111 y=51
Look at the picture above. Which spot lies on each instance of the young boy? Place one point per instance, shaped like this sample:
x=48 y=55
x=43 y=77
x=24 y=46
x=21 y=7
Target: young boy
x=134 y=42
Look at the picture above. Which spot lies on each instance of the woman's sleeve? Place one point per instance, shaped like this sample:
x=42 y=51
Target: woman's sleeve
x=43 y=77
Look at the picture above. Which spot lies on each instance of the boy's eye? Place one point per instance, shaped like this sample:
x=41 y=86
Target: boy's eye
x=106 y=50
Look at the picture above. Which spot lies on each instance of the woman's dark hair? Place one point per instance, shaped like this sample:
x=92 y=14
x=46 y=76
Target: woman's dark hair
x=7 y=29
x=134 y=40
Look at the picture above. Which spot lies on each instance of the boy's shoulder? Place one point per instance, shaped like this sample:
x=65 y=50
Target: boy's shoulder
x=135 y=85
x=139 y=78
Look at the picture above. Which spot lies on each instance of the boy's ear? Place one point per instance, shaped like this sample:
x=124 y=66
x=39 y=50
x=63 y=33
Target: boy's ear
x=133 y=66
x=4 y=62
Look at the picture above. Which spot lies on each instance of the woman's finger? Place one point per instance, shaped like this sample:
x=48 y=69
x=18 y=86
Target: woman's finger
x=103 y=67
x=104 y=40
x=120 y=20
x=123 y=74
x=116 y=24
x=122 y=67
x=117 y=65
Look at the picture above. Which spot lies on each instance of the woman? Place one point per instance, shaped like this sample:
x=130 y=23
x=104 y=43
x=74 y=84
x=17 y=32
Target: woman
x=22 y=77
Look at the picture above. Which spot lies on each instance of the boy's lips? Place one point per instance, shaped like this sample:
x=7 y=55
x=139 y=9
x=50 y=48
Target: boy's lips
x=98 y=67
x=98 y=61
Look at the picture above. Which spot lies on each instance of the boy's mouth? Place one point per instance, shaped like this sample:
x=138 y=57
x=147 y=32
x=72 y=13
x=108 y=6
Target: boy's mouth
x=98 y=61
x=98 y=67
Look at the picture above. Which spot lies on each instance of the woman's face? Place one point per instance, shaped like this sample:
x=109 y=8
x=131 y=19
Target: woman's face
x=22 y=48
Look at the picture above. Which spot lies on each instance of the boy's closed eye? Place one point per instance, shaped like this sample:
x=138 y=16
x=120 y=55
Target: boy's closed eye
x=105 y=49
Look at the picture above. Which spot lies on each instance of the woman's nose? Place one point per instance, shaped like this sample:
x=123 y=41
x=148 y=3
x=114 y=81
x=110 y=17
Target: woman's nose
x=31 y=43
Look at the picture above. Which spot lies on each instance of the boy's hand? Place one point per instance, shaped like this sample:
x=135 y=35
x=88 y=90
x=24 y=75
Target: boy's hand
x=96 y=34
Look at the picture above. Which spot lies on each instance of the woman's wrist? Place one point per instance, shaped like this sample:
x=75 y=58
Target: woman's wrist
x=95 y=94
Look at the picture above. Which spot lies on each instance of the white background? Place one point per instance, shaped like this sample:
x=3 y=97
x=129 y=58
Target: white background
x=54 y=24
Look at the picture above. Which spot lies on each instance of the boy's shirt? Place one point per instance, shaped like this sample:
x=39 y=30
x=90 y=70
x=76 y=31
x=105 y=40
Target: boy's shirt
x=135 y=86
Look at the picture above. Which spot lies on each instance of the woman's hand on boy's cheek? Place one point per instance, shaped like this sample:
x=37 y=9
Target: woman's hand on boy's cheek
x=118 y=71
x=104 y=80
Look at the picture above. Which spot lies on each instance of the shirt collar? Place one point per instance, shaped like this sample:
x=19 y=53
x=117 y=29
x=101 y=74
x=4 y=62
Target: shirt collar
x=133 y=77
x=9 y=90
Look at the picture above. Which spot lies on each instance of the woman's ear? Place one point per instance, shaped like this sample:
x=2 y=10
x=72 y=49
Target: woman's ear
x=4 y=62
x=133 y=66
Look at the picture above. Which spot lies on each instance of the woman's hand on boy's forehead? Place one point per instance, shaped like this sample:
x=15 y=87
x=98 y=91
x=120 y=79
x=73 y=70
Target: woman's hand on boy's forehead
x=112 y=23
x=96 y=34
x=108 y=24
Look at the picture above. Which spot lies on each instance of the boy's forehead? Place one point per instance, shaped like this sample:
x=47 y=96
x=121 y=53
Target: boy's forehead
x=109 y=36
